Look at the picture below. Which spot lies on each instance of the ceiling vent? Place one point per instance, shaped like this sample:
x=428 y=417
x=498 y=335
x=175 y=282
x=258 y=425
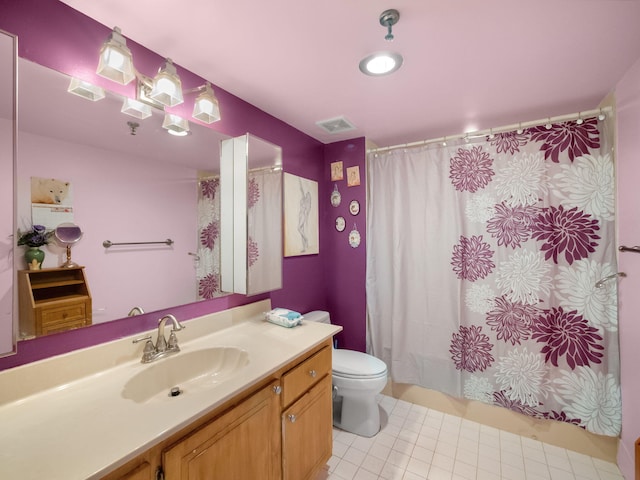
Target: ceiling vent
x=336 y=125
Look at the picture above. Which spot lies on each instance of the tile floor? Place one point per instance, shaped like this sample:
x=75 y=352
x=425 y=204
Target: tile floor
x=419 y=443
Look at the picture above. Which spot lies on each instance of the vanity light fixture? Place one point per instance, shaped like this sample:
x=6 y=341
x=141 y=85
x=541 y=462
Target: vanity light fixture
x=163 y=90
x=175 y=125
x=206 y=107
x=167 y=87
x=116 y=61
x=383 y=63
x=85 y=90
x=136 y=108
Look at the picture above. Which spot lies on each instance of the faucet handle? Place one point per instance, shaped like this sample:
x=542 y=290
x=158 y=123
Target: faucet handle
x=149 y=349
x=142 y=339
x=172 y=344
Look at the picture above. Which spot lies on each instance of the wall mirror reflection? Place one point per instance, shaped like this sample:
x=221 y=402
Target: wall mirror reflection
x=252 y=224
x=67 y=234
x=129 y=182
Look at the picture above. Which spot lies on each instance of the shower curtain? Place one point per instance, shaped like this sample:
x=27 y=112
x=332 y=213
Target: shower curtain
x=482 y=263
x=207 y=260
x=264 y=234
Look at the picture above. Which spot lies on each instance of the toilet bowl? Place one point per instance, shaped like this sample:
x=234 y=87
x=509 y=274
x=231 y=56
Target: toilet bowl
x=357 y=379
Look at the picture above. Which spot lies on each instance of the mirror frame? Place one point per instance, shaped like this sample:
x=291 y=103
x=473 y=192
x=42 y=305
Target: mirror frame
x=10 y=198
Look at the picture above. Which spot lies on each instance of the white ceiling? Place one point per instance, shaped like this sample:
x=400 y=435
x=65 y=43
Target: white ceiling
x=467 y=64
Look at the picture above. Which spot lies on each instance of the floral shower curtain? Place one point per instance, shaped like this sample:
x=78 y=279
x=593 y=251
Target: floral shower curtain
x=208 y=254
x=482 y=265
x=264 y=235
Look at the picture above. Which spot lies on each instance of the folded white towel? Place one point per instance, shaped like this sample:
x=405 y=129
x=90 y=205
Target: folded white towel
x=284 y=317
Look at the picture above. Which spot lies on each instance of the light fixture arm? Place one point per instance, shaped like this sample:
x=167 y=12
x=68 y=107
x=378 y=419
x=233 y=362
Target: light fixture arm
x=388 y=19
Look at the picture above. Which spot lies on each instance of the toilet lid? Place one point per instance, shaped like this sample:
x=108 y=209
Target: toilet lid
x=357 y=364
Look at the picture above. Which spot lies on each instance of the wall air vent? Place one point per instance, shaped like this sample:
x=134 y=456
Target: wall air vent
x=336 y=125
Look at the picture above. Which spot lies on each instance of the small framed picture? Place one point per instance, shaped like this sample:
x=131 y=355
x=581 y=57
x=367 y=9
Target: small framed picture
x=337 y=172
x=354 y=207
x=353 y=176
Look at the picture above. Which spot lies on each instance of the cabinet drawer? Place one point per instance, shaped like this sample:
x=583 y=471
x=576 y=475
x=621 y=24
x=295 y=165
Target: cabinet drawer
x=301 y=378
x=64 y=317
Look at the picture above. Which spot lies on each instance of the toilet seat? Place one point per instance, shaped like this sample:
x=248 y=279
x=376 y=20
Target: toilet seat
x=357 y=365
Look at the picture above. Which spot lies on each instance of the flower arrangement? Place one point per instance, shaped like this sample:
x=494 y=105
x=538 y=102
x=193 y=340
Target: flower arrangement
x=35 y=237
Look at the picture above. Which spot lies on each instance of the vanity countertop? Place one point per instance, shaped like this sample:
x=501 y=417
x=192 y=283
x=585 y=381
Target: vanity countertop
x=84 y=428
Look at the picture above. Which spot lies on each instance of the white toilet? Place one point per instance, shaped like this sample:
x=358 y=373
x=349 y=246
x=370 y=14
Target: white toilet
x=357 y=379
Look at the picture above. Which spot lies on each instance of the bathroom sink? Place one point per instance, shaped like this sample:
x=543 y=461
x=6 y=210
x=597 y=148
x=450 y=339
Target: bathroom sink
x=185 y=372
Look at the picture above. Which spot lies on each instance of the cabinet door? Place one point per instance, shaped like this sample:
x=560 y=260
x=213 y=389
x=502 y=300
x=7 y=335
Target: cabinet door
x=307 y=433
x=242 y=444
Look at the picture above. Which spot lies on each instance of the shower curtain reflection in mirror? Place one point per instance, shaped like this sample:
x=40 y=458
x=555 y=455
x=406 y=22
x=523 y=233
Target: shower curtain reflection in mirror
x=482 y=262
x=207 y=259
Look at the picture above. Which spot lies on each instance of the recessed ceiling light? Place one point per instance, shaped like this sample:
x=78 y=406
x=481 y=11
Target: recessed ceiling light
x=380 y=63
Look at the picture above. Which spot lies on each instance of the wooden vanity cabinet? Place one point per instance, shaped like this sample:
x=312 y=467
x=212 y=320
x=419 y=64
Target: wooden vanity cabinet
x=307 y=418
x=53 y=300
x=243 y=443
x=281 y=429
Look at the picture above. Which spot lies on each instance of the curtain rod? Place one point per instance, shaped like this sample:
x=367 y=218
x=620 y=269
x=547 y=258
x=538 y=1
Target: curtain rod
x=490 y=131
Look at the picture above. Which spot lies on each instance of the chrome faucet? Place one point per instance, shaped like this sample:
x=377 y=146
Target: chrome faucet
x=135 y=311
x=161 y=343
x=162 y=348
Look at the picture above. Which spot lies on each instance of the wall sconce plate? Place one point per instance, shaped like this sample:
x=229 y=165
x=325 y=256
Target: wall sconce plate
x=143 y=92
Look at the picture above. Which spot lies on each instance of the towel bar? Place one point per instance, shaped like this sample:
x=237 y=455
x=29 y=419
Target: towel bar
x=109 y=243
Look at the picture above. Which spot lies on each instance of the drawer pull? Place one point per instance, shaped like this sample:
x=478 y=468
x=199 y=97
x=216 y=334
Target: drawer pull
x=277 y=389
x=313 y=373
x=292 y=418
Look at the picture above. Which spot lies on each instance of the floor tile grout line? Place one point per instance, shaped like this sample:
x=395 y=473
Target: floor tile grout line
x=462 y=454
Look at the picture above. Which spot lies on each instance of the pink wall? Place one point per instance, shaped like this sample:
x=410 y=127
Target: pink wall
x=628 y=162
x=153 y=201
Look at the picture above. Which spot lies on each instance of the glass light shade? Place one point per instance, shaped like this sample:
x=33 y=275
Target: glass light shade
x=135 y=108
x=175 y=125
x=167 y=87
x=85 y=90
x=116 y=62
x=381 y=63
x=206 y=107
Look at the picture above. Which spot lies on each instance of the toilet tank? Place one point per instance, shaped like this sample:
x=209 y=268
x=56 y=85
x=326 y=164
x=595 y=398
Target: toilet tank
x=319 y=316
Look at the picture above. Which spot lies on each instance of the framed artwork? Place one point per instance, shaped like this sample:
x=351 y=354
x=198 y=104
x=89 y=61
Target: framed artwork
x=51 y=202
x=353 y=176
x=337 y=172
x=301 y=225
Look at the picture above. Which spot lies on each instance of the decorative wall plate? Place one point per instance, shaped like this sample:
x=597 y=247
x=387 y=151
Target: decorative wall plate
x=354 y=207
x=340 y=224
x=336 y=198
x=354 y=237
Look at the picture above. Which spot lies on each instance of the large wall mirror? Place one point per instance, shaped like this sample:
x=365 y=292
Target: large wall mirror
x=129 y=182
x=8 y=58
